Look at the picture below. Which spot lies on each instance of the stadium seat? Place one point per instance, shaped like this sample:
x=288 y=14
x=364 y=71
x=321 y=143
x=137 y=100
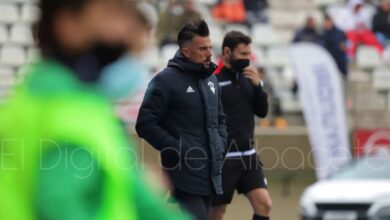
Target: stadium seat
x=292 y=19
x=7 y=77
x=258 y=57
x=12 y=55
x=359 y=77
x=207 y=2
x=237 y=27
x=8 y=13
x=21 y=34
x=204 y=11
x=21 y=1
x=216 y=34
x=150 y=57
x=289 y=103
x=265 y=35
x=6 y=72
x=29 y=13
x=381 y=79
x=279 y=83
x=368 y=57
x=273 y=77
x=334 y=10
x=278 y=57
x=167 y=53
x=3 y=34
x=286 y=18
x=291 y=5
x=320 y=3
x=285 y=36
x=32 y=54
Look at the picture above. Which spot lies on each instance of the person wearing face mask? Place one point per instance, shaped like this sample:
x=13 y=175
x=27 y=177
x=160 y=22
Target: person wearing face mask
x=182 y=117
x=243 y=97
x=64 y=154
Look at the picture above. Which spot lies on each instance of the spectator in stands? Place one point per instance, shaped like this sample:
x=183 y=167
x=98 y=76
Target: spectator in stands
x=308 y=33
x=335 y=42
x=178 y=13
x=356 y=24
x=229 y=11
x=381 y=22
x=255 y=11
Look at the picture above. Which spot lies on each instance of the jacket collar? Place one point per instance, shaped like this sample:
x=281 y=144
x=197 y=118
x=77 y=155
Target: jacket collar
x=182 y=63
x=230 y=73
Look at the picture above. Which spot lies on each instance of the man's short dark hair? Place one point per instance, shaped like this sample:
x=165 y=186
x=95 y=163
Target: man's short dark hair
x=191 y=30
x=43 y=28
x=235 y=38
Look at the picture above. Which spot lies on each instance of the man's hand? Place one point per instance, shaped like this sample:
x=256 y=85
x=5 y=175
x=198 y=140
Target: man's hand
x=253 y=75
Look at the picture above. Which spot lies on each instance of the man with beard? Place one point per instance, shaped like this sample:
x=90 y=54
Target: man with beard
x=243 y=98
x=182 y=117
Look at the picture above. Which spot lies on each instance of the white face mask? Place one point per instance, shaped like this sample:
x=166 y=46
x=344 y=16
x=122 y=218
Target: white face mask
x=122 y=78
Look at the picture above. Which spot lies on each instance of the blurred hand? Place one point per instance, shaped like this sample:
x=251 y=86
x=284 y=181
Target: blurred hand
x=252 y=74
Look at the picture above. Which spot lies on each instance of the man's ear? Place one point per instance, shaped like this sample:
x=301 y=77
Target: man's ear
x=226 y=52
x=186 y=52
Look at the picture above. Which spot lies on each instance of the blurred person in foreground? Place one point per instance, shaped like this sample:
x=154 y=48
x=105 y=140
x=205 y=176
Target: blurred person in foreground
x=64 y=154
x=335 y=43
x=177 y=14
x=243 y=97
x=381 y=22
x=182 y=117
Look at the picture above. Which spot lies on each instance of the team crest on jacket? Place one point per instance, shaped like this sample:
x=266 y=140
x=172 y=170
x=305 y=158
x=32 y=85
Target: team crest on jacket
x=211 y=85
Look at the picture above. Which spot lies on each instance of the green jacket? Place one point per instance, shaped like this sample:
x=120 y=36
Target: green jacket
x=64 y=154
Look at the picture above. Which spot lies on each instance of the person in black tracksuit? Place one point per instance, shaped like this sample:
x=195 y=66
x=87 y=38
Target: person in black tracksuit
x=243 y=98
x=182 y=117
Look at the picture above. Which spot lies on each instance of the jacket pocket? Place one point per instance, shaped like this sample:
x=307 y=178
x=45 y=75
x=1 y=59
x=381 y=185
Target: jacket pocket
x=170 y=156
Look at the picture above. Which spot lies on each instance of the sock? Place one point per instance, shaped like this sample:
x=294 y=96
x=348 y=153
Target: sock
x=258 y=217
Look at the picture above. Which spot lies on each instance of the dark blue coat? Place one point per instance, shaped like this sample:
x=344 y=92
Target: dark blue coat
x=182 y=117
x=333 y=39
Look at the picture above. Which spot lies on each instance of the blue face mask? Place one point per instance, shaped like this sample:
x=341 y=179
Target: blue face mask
x=122 y=78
